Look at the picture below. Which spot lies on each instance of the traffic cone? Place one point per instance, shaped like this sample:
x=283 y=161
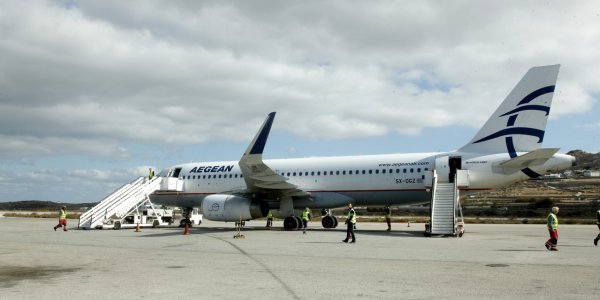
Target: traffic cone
x=187 y=229
x=137 y=227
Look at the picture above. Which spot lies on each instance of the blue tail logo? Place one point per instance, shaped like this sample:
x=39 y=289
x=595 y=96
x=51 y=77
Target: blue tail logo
x=510 y=130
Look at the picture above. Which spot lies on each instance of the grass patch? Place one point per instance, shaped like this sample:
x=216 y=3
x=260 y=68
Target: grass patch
x=36 y=215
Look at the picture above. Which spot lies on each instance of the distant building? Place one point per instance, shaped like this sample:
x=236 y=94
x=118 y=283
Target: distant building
x=591 y=173
x=553 y=176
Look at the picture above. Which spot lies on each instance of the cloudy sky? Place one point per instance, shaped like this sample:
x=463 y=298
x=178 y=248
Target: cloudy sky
x=92 y=93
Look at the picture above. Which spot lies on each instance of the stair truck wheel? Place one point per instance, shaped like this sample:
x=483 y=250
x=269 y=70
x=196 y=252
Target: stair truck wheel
x=155 y=223
x=117 y=225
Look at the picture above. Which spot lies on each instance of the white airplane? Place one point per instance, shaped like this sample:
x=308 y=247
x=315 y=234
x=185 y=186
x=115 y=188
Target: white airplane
x=506 y=150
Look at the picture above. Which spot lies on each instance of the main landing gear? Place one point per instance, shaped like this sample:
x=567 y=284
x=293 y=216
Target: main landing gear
x=292 y=223
x=328 y=221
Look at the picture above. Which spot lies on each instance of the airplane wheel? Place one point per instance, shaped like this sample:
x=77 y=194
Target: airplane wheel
x=328 y=222
x=335 y=221
x=290 y=223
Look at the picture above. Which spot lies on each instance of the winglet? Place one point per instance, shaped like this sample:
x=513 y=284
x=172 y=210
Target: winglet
x=257 y=175
x=260 y=140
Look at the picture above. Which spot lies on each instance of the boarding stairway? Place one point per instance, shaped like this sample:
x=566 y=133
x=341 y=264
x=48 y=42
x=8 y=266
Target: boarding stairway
x=445 y=207
x=121 y=202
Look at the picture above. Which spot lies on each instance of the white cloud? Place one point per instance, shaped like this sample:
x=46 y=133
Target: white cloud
x=84 y=78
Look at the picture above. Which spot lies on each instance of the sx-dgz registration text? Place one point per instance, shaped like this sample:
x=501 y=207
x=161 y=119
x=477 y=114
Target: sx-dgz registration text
x=406 y=180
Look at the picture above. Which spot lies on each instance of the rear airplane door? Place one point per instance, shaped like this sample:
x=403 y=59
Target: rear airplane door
x=446 y=167
x=442 y=169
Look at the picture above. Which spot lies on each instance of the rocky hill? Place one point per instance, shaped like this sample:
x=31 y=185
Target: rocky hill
x=585 y=160
x=34 y=205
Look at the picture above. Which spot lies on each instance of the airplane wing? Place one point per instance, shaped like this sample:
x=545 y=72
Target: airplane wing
x=259 y=177
x=530 y=159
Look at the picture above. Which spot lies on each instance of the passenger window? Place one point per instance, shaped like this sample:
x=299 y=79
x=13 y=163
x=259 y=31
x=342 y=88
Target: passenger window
x=397 y=170
x=337 y=172
x=312 y=173
x=383 y=171
x=391 y=171
x=412 y=170
x=294 y=174
x=330 y=172
x=203 y=176
x=418 y=170
x=324 y=173
x=306 y=174
x=376 y=171
x=357 y=172
x=343 y=172
x=370 y=171
x=350 y=172
x=363 y=171
x=319 y=173
x=288 y=175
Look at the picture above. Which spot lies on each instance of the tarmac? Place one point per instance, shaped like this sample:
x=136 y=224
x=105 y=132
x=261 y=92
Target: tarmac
x=489 y=261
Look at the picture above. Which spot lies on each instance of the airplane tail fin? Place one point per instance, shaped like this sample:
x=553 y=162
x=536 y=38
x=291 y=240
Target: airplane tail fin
x=519 y=124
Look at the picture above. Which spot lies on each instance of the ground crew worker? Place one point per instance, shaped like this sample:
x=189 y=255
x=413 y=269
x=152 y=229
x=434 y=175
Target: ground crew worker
x=269 y=219
x=62 y=219
x=388 y=217
x=597 y=223
x=150 y=174
x=305 y=217
x=350 y=221
x=553 y=230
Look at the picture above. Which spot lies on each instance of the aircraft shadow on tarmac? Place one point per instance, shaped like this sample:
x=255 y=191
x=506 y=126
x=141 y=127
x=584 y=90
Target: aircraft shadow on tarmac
x=205 y=230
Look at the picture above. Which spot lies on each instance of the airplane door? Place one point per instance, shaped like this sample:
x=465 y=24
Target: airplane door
x=446 y=167
x=442 y=169
x=455 y=164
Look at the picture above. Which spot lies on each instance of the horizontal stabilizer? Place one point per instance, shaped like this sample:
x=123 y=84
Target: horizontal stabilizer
x=530 y=159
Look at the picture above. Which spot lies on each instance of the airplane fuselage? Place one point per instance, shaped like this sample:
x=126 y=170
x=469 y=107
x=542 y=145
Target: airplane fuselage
x=370 y=180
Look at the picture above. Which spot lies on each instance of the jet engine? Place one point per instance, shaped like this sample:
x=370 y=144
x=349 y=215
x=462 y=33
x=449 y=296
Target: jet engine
x=230 y=208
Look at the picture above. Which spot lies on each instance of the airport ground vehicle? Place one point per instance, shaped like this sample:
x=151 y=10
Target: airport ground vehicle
x=146 y=216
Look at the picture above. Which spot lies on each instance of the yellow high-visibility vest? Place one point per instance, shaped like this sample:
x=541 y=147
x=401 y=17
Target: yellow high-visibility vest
x=352 y=216
x=305 y=215
x=270 y=215
x=552 y=221
x=63 y=214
